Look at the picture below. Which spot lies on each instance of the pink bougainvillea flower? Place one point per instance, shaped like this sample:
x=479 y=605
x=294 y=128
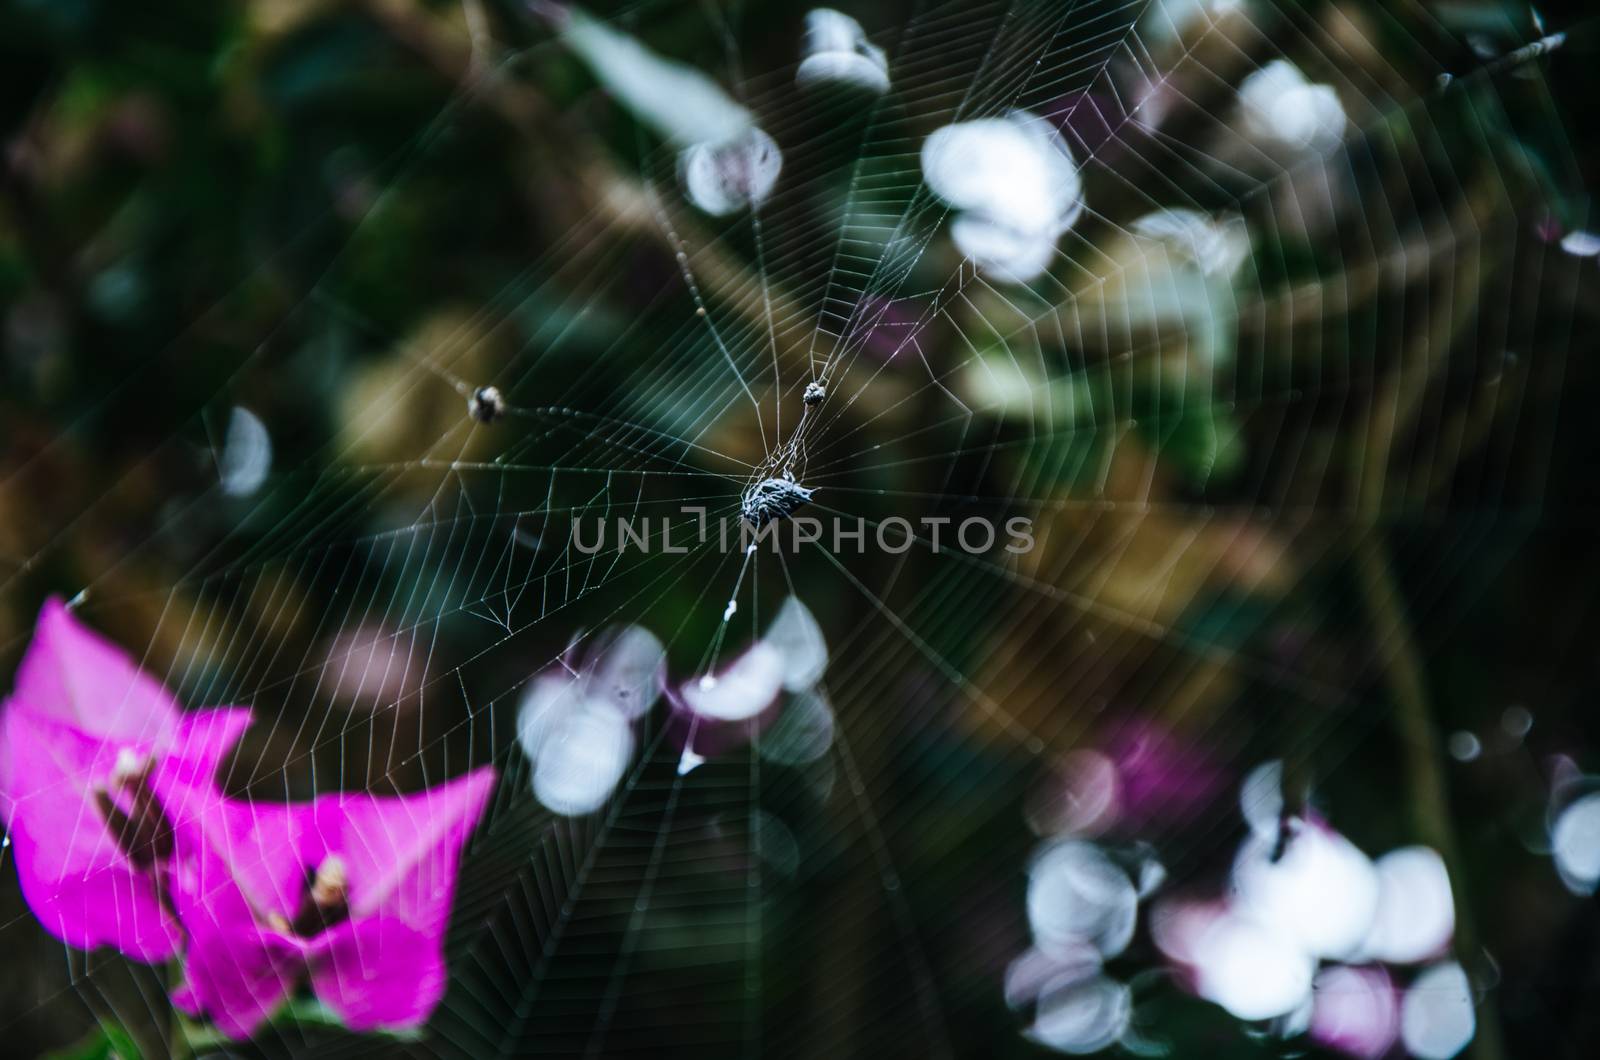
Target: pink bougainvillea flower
x=88 y=744
x=351 y=892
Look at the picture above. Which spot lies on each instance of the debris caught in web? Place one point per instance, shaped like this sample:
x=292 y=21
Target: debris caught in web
x=772 y=498
x=486 y=404
x=814 y=394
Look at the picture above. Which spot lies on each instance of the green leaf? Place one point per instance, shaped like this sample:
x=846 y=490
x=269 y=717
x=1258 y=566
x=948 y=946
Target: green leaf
x=310 y=1012
x=109 y=1041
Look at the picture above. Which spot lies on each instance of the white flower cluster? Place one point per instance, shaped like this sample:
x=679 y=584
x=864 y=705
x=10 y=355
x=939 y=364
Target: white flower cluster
x=575 y=722
x=1216 y=246
x=726 y=162
x=1083 y=908
x=1306 y=932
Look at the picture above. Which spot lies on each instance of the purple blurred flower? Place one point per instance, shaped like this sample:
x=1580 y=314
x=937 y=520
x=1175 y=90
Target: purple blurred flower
x=1159 y=776
x=96 y=761
x=889 y=325
x=352 y=891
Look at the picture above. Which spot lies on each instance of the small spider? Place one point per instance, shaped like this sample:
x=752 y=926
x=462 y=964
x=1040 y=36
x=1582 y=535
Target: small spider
x=486 y=404
x=772 y=498
x=814 y=394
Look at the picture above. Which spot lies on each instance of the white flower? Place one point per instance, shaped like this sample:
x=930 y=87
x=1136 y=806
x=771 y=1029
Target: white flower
x=1254 y=972
x=1006 y=254
x=678 y=101
x=837 y=52
x=577 y=727
x=791 y=657
x=1416 y=913
x=740 y=692
x=725 y=176
x=1082 y=908
x=1436 y=1017
x=1282 y=109
x=1581 y=244
x=1083 y=1017
x=1321 y=893
x=1261 y=799
x=582 y=760
x=246 y=454
x=625 y=668
x=1575 y=844
x=795 y=634
x=1077 y=897
x=1015 y=186
x=1216 y=246
x=726 y=162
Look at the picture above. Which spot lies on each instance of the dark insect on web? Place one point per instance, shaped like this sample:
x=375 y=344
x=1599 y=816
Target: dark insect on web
x=486 y=404
x=814 y=393
x=772 y=498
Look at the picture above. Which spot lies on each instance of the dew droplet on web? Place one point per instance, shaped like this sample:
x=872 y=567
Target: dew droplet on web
x=689 y=761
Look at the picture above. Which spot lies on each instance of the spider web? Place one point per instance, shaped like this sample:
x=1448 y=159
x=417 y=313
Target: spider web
x=385 y=598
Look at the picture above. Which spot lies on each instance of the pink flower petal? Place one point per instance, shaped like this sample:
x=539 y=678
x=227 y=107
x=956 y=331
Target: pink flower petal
x=184 y=1001
x=380 y=972
x=240 y=879
x=82 y=712
x=254 y=848
x=402 y=852
x=238 y=966
x=237 y=981
x=74 y=675
x=77 y=881
x=201 y=740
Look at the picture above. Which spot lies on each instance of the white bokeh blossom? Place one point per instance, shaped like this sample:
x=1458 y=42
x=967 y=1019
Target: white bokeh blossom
x=1283 y=111
x=726 y=162
x=837 y=52
x=1015 y=187
x=575 y=723
x=725 y=176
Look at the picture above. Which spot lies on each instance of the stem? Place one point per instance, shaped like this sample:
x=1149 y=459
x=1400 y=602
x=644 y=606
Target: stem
x=1405 y=678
